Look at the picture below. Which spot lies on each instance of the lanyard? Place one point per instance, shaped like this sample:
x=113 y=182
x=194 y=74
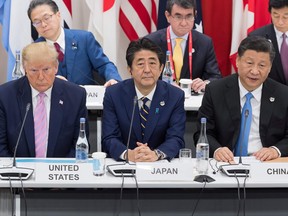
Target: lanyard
x=169 y=46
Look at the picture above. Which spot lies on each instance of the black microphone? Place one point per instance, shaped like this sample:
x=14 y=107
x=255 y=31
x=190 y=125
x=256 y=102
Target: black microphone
x=126 y=169
x=17 y=173
x=240 y=169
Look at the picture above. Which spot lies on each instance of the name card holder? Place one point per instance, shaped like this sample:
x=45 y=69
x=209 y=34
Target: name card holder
x=62 y=172
x=95 y=93
x=263 y=172
x=162 y=171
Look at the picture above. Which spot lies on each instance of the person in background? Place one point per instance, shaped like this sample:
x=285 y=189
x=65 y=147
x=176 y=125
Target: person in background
x=53 y=106
x=158 y=124
x=183 y=42
x=277 y=32
x=79 y=53
x=261 y=100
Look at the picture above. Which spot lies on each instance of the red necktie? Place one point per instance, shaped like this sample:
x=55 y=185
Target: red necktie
x=60 y=53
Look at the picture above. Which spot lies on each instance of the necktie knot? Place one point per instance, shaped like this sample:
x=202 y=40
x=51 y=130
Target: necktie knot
x=144 y=100
x=41 y=96
x=284 y=36
x=248 y=96
x=178 y=41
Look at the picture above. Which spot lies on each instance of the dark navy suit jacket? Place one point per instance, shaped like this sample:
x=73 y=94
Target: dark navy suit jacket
x=165 y=124
x=68 y=104
x=276 y=72
x=83 y=54
x=204 y=63
x=221 y=106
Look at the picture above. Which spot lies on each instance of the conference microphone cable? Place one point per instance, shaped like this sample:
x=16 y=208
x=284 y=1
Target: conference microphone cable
x=238 y=192
x=199 y=197
x=121 y=195
x=24 y=196
x=12 y=196
x=244 y=198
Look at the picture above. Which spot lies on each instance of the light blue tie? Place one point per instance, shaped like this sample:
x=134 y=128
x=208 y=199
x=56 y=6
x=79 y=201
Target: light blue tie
x=243 y=135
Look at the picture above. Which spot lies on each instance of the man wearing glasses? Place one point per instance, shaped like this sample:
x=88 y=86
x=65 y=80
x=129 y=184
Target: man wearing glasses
x=79 y=53
x=277 y=33
x=193 y=55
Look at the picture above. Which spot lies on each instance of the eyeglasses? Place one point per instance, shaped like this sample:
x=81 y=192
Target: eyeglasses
x=180 y=18
x=46 y=18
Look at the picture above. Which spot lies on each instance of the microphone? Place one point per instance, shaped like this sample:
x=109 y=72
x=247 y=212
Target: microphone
x=240 y=169
x=126 y=169
x=14 y=172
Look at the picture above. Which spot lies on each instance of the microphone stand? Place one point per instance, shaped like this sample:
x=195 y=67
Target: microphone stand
x=126 y=169
x=14 y=172
x=240 y=169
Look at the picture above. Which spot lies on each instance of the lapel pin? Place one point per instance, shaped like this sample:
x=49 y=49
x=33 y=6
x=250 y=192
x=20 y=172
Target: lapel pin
x=61 y=102
x=157 y=110
x=272 y=99
x=162 y=103
x=193 y=50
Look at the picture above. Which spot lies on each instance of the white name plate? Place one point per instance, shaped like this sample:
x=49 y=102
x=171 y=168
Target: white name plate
x=162 y=171
x=62 y=172
x=262 y=172
x=95 y=93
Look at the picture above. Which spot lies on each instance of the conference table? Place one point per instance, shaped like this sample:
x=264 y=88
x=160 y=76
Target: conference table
x=100 y=195
x=94 y=101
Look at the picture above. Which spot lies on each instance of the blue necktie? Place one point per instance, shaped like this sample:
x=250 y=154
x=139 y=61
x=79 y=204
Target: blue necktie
x=144 y=111
x=243 y=135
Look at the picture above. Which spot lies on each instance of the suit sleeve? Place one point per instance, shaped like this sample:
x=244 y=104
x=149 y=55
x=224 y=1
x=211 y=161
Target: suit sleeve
x=100 y=61
x=111 y=136
x=174 y=138
x=4 y=150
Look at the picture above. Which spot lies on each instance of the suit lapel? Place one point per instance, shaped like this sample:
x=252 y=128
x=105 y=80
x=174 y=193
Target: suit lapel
x=156 y=109
x=56 y=114
x=267 y=106
x=232 y=99
x=130 y=94
x=24 y=97
x=71 y=47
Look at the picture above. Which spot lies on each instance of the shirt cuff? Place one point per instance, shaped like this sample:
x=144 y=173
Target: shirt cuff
x=279 y=153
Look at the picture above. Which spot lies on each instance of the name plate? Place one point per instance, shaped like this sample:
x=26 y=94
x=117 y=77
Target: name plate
x=162 y=171
x=262 y=172
x=62 y=172
x=95 y=93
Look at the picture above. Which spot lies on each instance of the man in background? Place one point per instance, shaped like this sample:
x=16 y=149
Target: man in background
x=277 y=32
x=158 y=123
x=53 y=106
x=79 y=53
x=262 y=129
x=192 y=53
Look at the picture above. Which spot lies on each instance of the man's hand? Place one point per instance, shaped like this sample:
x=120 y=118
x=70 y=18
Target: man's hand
x=110 y=82
x=224 y=154
x=198 y=85
x=61 y=77
x=265 y=154
x=142 y=153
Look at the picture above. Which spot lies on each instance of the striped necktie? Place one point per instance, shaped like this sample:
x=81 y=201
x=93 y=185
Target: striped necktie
x=284 y=56
x=144 y=111
x=242 y=143
x=178 y=58
x=40 y=126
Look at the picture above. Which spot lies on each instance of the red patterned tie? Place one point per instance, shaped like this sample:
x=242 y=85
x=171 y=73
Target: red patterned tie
x=60 y=53
x=40 y=126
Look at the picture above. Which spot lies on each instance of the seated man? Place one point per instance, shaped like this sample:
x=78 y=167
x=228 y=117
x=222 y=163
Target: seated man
x=262 y=101
x=56 y=106
x=159 y=118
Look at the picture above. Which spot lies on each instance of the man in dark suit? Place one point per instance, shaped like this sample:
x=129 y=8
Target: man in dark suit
x=64 y=105
x=82 y=53
x=224 y=99
x=158 y=132
x=274 y=32
x=203 y=66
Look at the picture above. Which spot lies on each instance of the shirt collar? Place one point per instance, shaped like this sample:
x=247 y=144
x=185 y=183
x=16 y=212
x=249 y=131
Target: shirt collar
x=279 y=34
x=174 y=36
x=256 y=93
x=60 y=40
x=47 y=92
x=149 y=96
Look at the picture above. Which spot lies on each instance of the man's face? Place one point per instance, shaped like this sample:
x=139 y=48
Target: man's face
x=280 y=19
x=145 y=69
x=253 y=68
x=47 y=22
x=180 y=19
x=41 y=72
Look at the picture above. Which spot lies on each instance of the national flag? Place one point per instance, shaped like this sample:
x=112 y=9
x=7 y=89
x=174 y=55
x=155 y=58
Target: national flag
x=247 y=16
x=198 y=24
